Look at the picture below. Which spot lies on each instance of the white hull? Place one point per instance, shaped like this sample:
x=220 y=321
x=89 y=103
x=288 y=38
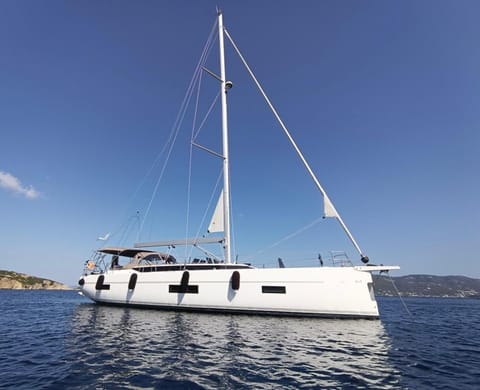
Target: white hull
x=319 y=291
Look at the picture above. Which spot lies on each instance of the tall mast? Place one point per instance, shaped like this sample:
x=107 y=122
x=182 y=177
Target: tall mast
x=224 y=86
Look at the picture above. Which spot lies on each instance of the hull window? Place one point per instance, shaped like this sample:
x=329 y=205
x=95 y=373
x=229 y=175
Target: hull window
x=235 y=281
x=175 y=288
x=132 y=282
x=185 y=279
x=100 y=285
x=183 y=287
x=274 y=290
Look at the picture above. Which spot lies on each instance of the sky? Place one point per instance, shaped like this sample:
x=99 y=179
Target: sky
x=382 y=98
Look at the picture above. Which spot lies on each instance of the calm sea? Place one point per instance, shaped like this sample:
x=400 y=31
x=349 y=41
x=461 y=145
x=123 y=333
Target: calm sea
x=58 y=340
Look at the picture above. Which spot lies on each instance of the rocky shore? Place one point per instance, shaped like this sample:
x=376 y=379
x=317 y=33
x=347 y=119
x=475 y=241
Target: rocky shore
x=16 y=281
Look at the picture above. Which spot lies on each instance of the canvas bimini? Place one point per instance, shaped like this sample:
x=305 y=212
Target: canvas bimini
x=155 y=279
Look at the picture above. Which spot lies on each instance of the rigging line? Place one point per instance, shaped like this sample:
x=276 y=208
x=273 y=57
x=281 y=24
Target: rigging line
x=152 y=166
x=179 y=120
x=212 y=196
x=287 y=237
x=213 y=38
x=144 y=179
x=400 y=296
x=127 y=227
x=206 y=116
x=169 y=144
x=290 y=138
x=170 y=148
x=204 y=57
x=189 y=183
x=206 y=53
x=121 y=229
x=209 y=44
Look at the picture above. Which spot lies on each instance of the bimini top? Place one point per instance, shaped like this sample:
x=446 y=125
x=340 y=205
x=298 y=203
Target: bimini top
x=139 y=256
x=126 y=252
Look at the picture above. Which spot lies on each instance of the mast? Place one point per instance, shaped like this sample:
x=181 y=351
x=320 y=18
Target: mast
x=224 y=86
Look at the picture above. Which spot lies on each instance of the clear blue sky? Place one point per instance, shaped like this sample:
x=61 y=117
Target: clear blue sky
x=382 y=97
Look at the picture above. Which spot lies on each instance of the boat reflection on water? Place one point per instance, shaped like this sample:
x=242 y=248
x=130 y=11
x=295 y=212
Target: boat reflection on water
x=110 y=346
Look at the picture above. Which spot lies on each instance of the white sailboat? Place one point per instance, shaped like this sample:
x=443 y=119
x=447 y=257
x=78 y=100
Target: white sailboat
x=155 y=279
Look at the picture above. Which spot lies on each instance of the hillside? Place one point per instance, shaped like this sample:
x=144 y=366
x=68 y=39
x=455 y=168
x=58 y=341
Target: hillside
x=16 y=281
x=428 y=286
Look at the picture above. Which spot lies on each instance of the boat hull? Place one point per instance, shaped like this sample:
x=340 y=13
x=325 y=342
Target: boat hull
x=320 y=292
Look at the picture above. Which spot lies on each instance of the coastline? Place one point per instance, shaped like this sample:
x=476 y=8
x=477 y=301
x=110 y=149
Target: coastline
x=10 y=280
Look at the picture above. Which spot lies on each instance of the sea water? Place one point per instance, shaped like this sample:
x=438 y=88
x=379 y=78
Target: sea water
x=59 y=340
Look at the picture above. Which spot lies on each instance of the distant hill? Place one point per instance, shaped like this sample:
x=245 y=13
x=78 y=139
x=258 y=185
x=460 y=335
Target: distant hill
x=16 y=281
x=428 y=286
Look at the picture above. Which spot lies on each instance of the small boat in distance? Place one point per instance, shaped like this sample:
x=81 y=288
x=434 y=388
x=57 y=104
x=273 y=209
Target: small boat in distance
x=155 y=279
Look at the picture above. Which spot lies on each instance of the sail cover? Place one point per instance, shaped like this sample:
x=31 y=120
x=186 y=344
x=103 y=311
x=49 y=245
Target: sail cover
x=328 y=208
x=216 y=224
